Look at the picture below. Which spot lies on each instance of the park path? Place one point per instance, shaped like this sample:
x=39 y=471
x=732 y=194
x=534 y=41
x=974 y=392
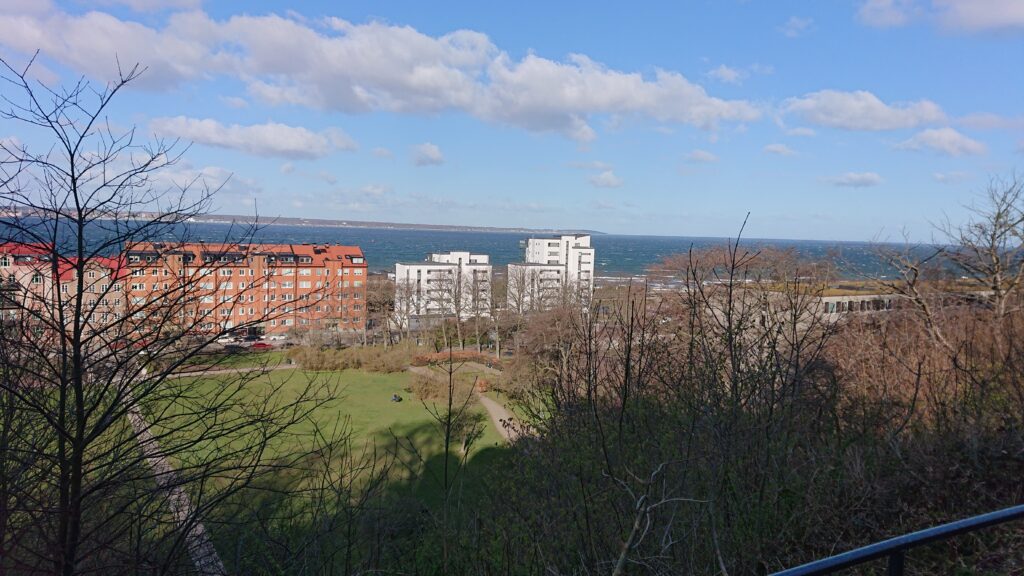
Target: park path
x=197 y=540
x=502 y=419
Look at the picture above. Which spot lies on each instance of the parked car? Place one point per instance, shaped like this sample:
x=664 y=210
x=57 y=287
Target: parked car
x=277 y=337
x=227 y=340
x=260 y=346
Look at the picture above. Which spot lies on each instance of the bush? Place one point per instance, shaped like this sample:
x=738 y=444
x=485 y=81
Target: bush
x=456 y=356
x=369 y=358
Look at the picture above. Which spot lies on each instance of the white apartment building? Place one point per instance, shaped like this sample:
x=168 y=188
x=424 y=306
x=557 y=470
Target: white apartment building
x=454 y=283
x=555 y=269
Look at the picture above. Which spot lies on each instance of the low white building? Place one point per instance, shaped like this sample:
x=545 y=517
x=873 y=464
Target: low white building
x=556 y=269
x=455 y=283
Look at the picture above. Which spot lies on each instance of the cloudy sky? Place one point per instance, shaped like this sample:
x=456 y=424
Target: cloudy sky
x=850 y=120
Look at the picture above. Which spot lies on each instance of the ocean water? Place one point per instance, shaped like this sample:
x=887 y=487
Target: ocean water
x=616 y=255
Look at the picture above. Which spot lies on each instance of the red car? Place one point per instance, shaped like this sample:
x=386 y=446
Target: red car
x=260 y=346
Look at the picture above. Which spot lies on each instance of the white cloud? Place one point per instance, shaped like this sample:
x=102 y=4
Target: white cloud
x=977 y=15
x=10 y=147
x=606 y=179
x=856 y=179
x=287 y=168
x=944 y=141
x=356 y=68
x=235 y=101
x=949 y=177
x=427 y=154
x=989 y=121
x=726 y=74
x=800 y=131
x=861 y=110
x=591 y=165
x=780 y=150
x=375 y=189
x=885 y=13
x=701 y=157
x=544 y=95
x=271 y=139
x=381 y=152
x=229 y=186
x=796 y=26
x=154 y=5
x=964 y=15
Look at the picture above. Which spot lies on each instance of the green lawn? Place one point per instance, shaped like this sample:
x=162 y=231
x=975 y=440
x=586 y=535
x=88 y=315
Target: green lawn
x=363 y=400
x=221 y=361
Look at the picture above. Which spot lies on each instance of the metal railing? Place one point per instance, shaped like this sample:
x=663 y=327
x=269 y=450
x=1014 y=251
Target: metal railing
x=895 y=548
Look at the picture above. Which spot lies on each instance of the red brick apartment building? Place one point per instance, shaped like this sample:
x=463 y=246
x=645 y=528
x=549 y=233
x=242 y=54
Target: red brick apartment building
x=269 y=288
x=27 y=270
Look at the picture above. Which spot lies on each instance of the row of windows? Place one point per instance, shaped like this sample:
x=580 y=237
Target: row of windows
x=251 y=272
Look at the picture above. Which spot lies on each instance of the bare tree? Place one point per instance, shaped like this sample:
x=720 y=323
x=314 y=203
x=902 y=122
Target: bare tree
x=111 y=462
x=989 y=248
x=479 y=302
x=405 y=307
x=498 y=311
x=380 y=306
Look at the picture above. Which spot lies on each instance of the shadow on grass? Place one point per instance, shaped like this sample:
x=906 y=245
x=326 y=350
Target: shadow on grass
x=382 y=508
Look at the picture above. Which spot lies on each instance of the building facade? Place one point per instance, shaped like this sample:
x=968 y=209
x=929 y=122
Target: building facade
x=194 y=287
x=448 y=284
x=558 y=269
x=264 y=288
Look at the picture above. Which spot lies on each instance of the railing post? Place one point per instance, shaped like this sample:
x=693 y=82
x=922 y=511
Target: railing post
x=896 y=560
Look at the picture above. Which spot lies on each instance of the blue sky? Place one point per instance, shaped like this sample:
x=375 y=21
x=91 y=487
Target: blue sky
x=839 y=120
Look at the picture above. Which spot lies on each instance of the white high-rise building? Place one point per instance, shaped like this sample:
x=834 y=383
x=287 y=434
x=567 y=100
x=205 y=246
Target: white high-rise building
x=555 y=269
x=456 y=283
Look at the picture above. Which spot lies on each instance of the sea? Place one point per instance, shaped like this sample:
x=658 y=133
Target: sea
x=617 y=256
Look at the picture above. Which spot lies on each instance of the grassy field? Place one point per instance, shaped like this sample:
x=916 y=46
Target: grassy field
x=363 y=400
x=220 y=361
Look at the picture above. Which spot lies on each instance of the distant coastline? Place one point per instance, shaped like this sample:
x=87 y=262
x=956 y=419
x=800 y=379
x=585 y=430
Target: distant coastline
x=322 y=222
